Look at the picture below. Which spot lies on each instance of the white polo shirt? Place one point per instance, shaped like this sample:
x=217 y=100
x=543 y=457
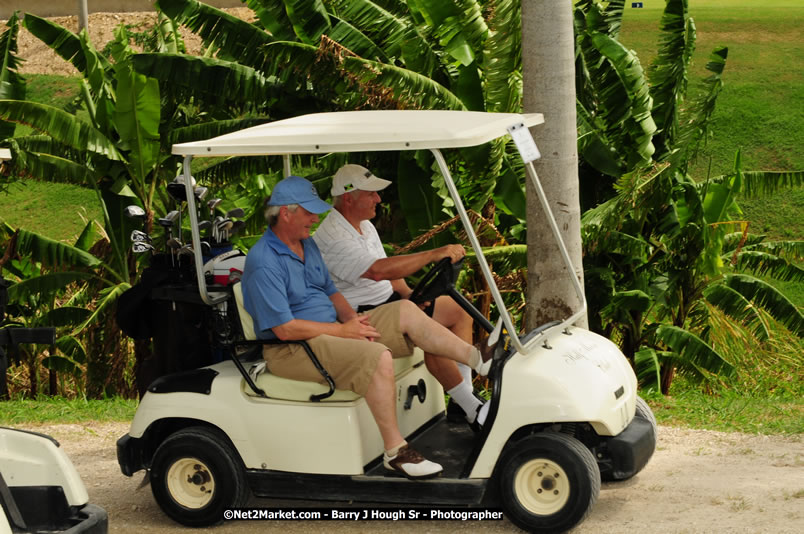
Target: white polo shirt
x=348 y=254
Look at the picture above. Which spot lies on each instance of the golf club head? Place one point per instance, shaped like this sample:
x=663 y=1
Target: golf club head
x=180 y=180
x=172 y=216
x=235 y=212
x=174 y=243
x=237 y=226
x=204 y=225
x=177 y=192
x=224 y=225
x=139 y=235
x=200 y=192
x=138 y=247
x=214 y=203
x=134 y=212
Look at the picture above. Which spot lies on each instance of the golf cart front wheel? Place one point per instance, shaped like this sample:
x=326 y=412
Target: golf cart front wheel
x=196 y=475
x=549 y=482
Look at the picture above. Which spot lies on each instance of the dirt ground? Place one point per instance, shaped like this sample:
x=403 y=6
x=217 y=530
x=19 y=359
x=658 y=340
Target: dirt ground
x=698 y=481
x=40 y=59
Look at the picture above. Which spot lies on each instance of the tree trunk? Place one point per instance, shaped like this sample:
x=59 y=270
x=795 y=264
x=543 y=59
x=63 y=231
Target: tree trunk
x=548 y=72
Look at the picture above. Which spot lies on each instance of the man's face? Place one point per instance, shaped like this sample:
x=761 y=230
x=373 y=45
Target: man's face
x=302 y=221
x=364 y=204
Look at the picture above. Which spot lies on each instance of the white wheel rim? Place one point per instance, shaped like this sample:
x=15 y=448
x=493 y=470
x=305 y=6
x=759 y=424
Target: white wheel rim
x=542 y=487
x=190 y=483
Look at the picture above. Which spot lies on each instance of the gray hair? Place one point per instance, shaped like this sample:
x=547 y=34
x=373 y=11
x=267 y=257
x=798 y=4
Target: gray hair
x=272 y=213
x=338 y=200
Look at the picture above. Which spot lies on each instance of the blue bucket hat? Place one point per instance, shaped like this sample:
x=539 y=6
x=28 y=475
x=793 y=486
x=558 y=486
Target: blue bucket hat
x=297 y=190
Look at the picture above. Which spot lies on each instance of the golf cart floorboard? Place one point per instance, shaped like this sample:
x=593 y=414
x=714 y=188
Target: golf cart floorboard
x=449 y=444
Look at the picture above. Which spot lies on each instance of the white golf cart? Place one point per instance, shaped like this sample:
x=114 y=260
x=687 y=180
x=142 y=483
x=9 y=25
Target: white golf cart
x=564 y=407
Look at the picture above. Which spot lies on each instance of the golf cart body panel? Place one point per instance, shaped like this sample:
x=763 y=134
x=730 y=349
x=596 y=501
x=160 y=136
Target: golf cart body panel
x=337 y=437
x=581 y=378
x=40 y=489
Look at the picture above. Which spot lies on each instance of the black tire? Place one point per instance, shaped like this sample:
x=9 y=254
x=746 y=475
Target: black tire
x=549 y=482
x=644 y=411
x=196 y=474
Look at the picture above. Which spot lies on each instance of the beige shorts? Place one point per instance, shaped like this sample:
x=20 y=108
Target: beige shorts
x=350 y=362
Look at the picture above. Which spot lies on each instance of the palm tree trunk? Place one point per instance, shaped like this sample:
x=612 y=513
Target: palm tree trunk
x=548 y=72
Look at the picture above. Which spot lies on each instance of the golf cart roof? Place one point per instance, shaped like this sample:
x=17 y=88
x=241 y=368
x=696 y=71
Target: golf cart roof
x=5 y=154
x=362 y=131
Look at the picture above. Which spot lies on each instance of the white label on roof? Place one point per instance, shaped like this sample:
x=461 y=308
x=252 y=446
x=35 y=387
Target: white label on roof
x=524 y=142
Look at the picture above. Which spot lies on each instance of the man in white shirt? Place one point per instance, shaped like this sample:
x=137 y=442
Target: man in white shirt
x=366 y=277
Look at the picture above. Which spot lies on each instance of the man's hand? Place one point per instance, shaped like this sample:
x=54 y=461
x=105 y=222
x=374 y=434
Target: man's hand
x=359 y=328
x=453 y=252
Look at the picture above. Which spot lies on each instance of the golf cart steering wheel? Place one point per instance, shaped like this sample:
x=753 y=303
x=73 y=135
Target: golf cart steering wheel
x=436 y=282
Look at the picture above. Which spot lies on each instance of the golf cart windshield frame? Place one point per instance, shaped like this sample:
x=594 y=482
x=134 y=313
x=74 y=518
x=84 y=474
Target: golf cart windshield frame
x=370 y=131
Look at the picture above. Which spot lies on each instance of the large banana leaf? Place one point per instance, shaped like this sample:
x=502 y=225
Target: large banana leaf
x=764 y=264
x=764 y=183
x=694 y=122
x=72 y=347
x=356 y=41
x=395 y=34
x=233 y=38
x=738 y=307
x=502 y=59
x=62 y=126
x=409 y=89
x=64 y=42
x=668 y=75
x=458 y=25
x=12 y=84
x=218 y=82
x=769 y=298
x=207 y=130
x=694 y=354
x=309 y=18
x=627 y=106
x=788 y=249
x=63 y=315
x=137 y=113
x=274 y=18
x=46 y=284
x=52 y=253
x=108 y=298
x=51 y=168
x=648 y=368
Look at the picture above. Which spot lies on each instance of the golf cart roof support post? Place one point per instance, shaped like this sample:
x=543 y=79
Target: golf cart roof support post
x=286 y=170
x=576 y=284
x=195 y=232
x=481 y=259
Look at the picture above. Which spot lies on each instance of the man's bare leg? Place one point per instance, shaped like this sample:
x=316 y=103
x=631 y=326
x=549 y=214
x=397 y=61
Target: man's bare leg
x=434 y=338
x=382 y=403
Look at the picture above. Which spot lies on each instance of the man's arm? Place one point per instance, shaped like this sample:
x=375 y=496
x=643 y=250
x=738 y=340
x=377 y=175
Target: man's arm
x=397 y=267
x=296 y=329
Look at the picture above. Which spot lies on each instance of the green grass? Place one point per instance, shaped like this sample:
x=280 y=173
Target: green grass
x=57 y=211
x=60 y=410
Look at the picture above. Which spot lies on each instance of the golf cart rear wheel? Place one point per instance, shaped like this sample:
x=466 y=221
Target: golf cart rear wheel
x=549 y=482
x=196 y=475
x=644 y=411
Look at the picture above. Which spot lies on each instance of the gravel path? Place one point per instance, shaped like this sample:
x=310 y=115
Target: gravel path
x=697 y=482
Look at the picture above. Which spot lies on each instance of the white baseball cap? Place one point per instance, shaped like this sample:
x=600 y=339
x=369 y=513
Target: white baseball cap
x=351 y=177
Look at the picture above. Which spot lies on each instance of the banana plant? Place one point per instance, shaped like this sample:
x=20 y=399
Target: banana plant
x=665 y=252
x=51 y=291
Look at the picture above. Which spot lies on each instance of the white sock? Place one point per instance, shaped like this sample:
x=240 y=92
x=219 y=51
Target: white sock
x=484 y=411
x=464 y=396
x=466 y=372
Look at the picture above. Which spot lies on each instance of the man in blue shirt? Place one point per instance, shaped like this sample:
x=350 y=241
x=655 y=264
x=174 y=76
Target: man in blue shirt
x=288 y=291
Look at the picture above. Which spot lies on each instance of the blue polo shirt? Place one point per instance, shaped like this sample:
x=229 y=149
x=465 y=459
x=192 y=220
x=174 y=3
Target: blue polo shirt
x=278 y=286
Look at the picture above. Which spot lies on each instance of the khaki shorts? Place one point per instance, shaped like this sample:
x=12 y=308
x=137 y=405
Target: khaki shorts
x=350 y=362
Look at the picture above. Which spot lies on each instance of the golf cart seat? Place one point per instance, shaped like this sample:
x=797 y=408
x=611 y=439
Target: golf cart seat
x=278 y=387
